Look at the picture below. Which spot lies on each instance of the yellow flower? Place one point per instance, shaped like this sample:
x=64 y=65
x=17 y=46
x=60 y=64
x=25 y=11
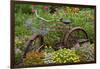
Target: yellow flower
x=19 y=42
x=46 y=47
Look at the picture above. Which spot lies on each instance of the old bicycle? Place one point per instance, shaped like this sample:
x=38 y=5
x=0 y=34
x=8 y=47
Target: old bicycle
x=72 y=36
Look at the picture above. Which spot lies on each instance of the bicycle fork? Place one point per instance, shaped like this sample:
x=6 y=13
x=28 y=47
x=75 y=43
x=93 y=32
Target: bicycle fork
x=29 y=43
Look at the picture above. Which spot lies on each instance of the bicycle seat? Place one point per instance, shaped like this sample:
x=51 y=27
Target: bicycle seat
x=66 y=21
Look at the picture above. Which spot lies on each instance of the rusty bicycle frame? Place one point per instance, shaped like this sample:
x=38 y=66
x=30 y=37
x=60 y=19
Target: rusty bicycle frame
x=68 y=40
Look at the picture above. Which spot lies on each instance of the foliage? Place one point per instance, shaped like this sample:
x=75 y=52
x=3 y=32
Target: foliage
x=48 y=58
x=18 y=56
x=20 y=29
x=80 y=54
x=19 y=43
x=65 y=56
x=86 y=54
x=84 y=19
x=48 y=49
x=48 y=54
x=33 y=58
x=23 y=8
x=51 y=38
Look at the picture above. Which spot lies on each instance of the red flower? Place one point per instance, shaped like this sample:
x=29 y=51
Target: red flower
x=46 y=7
x=33 y=4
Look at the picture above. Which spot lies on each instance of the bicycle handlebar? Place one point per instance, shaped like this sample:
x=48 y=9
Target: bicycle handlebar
x=42 y=17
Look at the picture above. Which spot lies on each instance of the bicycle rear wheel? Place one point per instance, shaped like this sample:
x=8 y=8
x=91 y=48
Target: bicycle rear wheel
x=75 y=37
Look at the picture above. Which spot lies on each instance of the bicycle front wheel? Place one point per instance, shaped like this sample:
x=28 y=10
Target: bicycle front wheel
x=35 y=43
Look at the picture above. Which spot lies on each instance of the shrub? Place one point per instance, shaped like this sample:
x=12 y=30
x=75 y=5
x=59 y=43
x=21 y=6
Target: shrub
x=20 y=24
x=20 y=42
x=85 y=19
x=65 y=56
x=86 y=54
x=17 y=58
x=23 y=8
x=33 y=58
x=80 y=54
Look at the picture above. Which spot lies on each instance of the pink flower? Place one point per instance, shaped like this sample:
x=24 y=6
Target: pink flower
x=46 y=7
x=33 y=11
